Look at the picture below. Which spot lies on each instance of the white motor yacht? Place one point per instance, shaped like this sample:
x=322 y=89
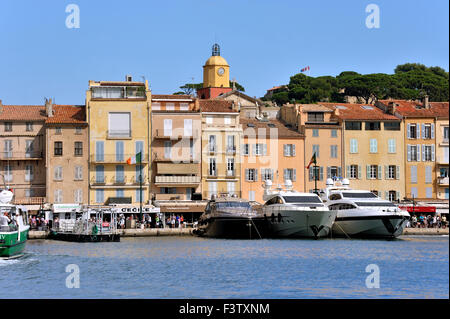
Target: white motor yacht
x=361 y=213
x=292 y=214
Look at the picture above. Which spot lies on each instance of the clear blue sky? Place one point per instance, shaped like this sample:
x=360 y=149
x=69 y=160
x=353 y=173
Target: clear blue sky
x=265 y=42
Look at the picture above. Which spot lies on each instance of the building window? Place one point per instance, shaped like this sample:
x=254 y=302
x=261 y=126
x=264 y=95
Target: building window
x=373 y=171
x=58 y=148
x=29 y=126
x=333 y=133
x=212 y=144
x=29 y=192
x=334 y=151
x=315 y=133
x=392 y=148
x=99 y=196
x=414 y=174
x=58 y=173
x=212 y=188
x=333 y=172
x=139 y=195
x=29 y=147
x=353 y=126
x=373 y=126
x=209 y=120
x=251 y=196
x=120 y=174
x=289 y=149
x=170 y=106
x=78 y=173
x=446 y=128
x=428 y=174
x=78 y=196
x=246 y=149
x=78 y=148
x=315 y=117
x=427 y=153
x=119 y=125
x=373 y=145
x=231 y=188
x=392 y=126
x=413 y=131
x=156 y=106
x=58 y=130
x=230 y=167
x=187 y=127
x=8 y=126
x=316 y=172
x=316 y=149
x=429 y=192
x=120 y=193
x=259 y=149
x=7 y=170
x=251 y=174
x=212 y=167
x=267 y=174
x=227 y=120
x=184 y=106
x=167 y=149
x=28 y=173
x=78 y=130
x=353 y=146
x=99 y=174
x=392 y=170
x=427 y=131
x=290 y=174
x=231 y=148
x=353 y=171
x=392 y=196
x=413 y=153
x=58 y=196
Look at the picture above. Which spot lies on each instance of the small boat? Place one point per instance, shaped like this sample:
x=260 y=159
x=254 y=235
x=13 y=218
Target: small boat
x=292 y=214
x=361 y=213
x=13 y=226
x=90 y=225
x=231 y=217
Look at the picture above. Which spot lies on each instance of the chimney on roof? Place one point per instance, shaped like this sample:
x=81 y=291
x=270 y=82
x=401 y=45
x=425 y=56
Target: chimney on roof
x=49 y=107
x=392 y=107
x=196 y=105
x=128 y=78
x=426 y=101
x=336 y=111
x=1 y=107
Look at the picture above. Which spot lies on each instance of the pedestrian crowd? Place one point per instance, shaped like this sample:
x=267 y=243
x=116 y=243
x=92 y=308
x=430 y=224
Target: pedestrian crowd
x=428 y=221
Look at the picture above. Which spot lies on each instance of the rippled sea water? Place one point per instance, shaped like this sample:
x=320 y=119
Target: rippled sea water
x=191 y=267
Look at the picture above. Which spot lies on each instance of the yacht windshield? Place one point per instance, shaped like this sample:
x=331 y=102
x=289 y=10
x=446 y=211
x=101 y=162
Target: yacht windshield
x=378 y=204
x=359 y=195
x=223 y=205
x=302 y=199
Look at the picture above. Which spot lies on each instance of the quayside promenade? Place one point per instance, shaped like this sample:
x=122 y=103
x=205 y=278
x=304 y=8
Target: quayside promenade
x=152 y=232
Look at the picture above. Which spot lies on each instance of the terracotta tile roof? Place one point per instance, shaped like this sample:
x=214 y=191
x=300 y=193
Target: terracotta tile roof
x=22 y=113
x=221 y=106
x=416 y=109
x=357 y=112
x=171 y=96
x=283 y=130
x=70 y=114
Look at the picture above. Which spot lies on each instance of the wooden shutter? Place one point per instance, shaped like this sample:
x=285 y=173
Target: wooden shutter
x=380 y=171
x=397 y=172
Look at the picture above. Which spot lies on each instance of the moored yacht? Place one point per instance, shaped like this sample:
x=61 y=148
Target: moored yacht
x=231 y=217
x=361 y=213
x=292 y=214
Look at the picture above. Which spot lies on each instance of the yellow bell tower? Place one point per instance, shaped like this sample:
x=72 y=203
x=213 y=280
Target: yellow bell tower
x=216 y=71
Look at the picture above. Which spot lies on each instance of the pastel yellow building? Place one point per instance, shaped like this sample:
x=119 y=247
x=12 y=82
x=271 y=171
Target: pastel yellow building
x=442 y=157
x=221 y=138
x=372 y=143
x=118 y=114
x=420 y=124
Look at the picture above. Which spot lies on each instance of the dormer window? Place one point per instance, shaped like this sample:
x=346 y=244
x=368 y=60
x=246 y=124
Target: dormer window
x=315 y=117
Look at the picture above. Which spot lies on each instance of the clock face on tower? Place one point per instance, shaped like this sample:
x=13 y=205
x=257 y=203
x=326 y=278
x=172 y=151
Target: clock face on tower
x=220 y=71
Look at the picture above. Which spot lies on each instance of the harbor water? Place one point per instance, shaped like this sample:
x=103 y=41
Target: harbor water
x=191 y=267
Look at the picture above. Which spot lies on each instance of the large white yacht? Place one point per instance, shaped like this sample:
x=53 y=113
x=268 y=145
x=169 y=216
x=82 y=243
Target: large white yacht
x=292 y=214
x=361 y=213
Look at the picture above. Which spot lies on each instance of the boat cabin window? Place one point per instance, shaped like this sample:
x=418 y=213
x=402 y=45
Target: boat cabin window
x=359 y=195
x=223 y=205
x=302 y=199
x=375 y=204
x=335 y=197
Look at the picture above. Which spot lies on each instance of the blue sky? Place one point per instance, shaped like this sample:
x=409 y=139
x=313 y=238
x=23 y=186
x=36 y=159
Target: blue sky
x=265 y=42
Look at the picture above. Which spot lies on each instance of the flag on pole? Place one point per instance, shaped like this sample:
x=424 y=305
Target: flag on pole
x=313 y=160
x=305 y=69
x=135 y=159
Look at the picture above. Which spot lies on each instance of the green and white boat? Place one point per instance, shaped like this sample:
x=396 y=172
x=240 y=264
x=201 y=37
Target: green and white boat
x=13 y=226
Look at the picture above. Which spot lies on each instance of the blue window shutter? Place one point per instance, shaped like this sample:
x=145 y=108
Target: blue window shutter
x=397 y=172
x=294 y=173
x=321 y=173
x=432 y=130
x=119 y=151
x=293 y=149
x=432 y=153
x=418 y=130
x=120 y=173
x=368 y=171
x=423 y=130
x=99 y=151
x=423 y=153
x=408 y=147
x=418 y=152
x=99 y=174
x=140 y=148
x=408 y=130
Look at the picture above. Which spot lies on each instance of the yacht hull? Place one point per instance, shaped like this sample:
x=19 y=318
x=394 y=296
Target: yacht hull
x=234 y=228
x=382 y=226
x=301 y=224
x=11 y=244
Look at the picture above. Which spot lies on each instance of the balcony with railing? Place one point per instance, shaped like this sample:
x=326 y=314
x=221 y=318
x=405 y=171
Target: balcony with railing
x=114 y=158
x=117 y=180
x=179 y=180
x=170 y=197
x=119 y=92
x=12 y=155
x=175 y=134
x=29 y=201
x=231 y=149
x=443 y=181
